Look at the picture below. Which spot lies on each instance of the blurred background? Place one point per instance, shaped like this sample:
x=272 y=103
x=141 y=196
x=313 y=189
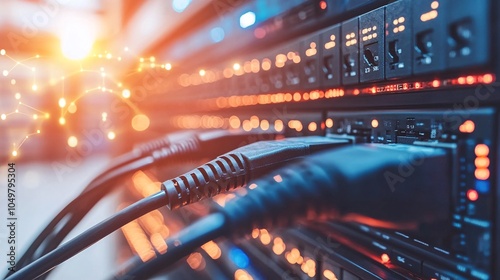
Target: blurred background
x=73 y=75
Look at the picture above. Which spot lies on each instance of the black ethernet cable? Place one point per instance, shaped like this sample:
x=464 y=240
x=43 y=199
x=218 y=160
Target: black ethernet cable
x=361 y=181
x=190 y=143
x=259 y=157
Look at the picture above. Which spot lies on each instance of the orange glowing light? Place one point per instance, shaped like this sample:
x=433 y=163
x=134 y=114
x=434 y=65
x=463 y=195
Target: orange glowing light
x=329 y=123
x=487 y=78
x=312 y=126
x=278 y=125
x=482 y=162
x=265 y=237
x=482 y=174
x=328 y=274
x=482 y=150
x=196 y=261
x=472 y=195
x=242 y=274
x=234 y=122
x=323 y=5
x=355 y=92
x=470 y=80
x=467 y=127
x=212 y=249
x=111 y=135
x=255 y=233
x=385 y=258
x=436 y=83
x=264 y=125
x=374 y=123
x=140 y=122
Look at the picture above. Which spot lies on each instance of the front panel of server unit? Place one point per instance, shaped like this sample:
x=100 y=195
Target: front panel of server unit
x=463 y=245
x=404 y=46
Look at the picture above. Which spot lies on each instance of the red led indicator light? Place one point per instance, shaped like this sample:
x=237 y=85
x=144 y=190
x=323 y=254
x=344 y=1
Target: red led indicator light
x=385 y=258
x=472 y=195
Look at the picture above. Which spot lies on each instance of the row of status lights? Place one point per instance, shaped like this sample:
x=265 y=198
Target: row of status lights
x=254 y=122
x=236 y=101
x=291 y=254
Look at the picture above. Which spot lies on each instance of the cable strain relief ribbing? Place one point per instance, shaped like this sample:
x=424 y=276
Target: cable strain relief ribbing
x=183 y=147
x=219 y=175
x=280 y=198
x=150 y=146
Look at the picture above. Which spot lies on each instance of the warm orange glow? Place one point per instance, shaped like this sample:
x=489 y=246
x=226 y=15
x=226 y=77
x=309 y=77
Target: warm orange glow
x=429 y=16
x=482 y=150
x=329 y=275
x=126 y=93
x=111 y=135
x=254 y=121
x=323 y=5
x=72 y=108
x=255 y=233
x=234 y=122
x=472 y=195
x=487 y=78
x=293 y=256
x=138 y=241
x=436 y=83
x=247 y=125
x=264 y=125
x=242 y=274
x=144 y=185
x=278 y=246
x=266 y=64
x=467 y=127
x=265 y=237
x=482 y=174
x=385 y=258
x=482 y=162
x=140 y=122
x=252 y=186
x=159 y=243
x=309 y=267
x=312 y=126
x=278 y=125
x=374 y=123
x=212 y=249
x=329 y=123
x=77 y=38
x=72 y=141
x=62 y=102
x=196 y=261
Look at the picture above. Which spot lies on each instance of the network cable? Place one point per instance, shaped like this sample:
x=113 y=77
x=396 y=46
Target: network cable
x=251 y=160
x=359 y=181
x=174 y=146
